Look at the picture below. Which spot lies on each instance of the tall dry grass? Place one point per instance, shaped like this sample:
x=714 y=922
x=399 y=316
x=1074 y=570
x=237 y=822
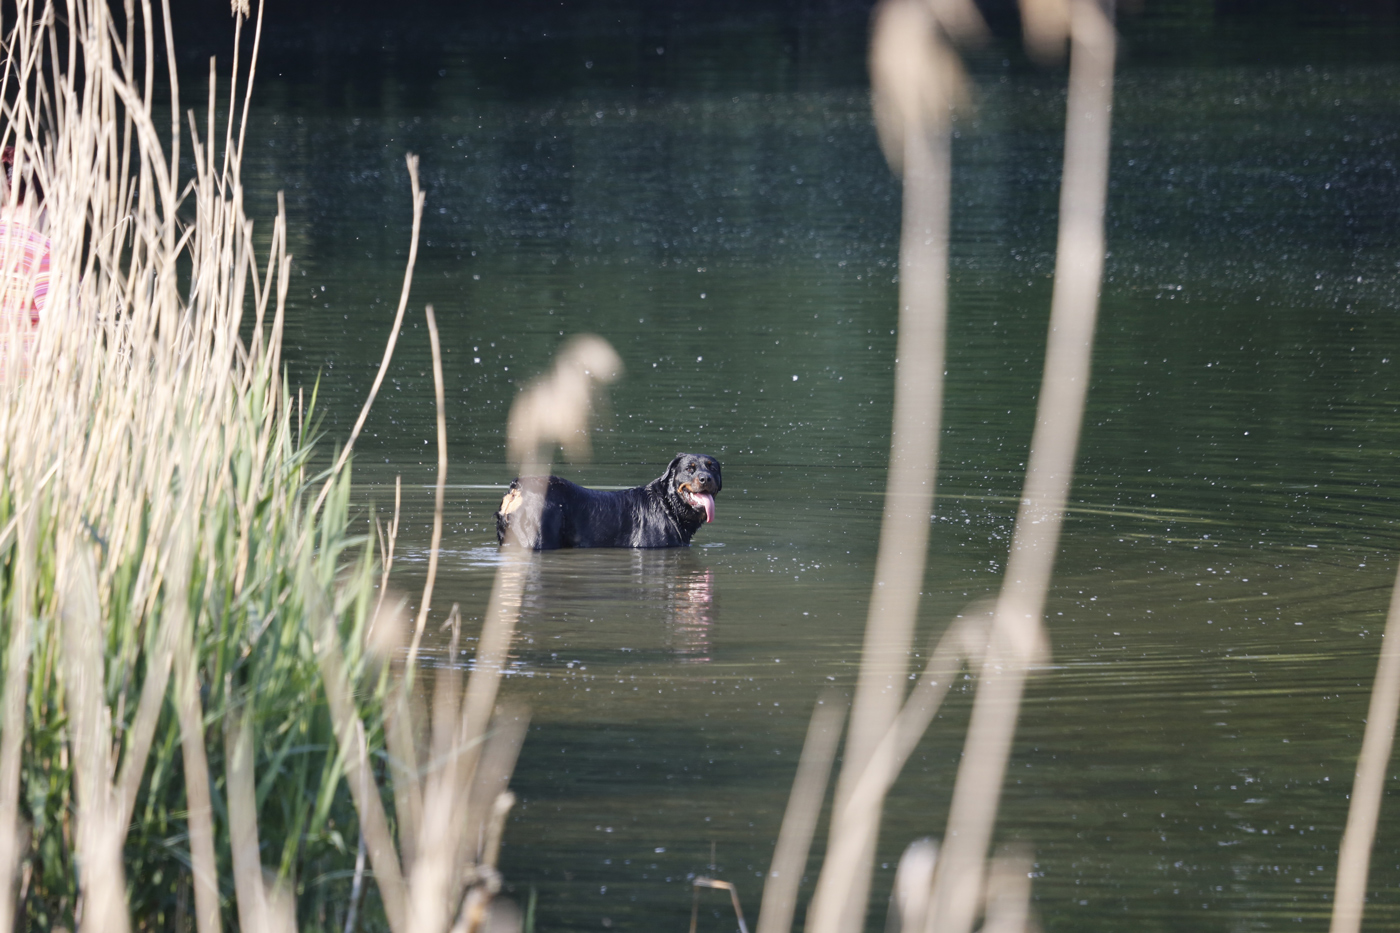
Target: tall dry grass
x=154 y=468
x=204 y=662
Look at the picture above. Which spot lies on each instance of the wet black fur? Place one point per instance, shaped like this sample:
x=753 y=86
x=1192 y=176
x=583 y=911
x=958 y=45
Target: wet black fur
x=647 y=516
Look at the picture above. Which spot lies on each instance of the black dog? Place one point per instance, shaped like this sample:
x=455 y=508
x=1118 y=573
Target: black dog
x=548 y=512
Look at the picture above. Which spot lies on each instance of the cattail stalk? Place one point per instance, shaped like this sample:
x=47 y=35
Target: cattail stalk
x=1368 y=786
x=800 y=818
x=426 y=602
x=1017 y=638
x=916 y=81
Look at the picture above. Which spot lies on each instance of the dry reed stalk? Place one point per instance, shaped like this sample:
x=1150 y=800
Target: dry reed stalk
x=477 y=906
x=800 y=818
x=496 y=828
x=438 y=847
x=1008 y=908
x=399 y=729
x=16 y=689
x=364 y=790
x=262 y=908
x=914 y=75
x=958 y=645
x=453 y=804
x=492 y=778
x=716 y=884
x=399 y=715
x=399 y=721
x=175 y=620
x=456 y=788
x=552 y=410
x=436 y=862
x=916 y=80
x=1017 y=639
x=555 y=409
x=426 y=602
x=241 y=798
x=913 y=883
x=1368 y=786
x=963 y=642
x=99 y=830
x=1044 y=28
x=199 y=803
x=387 y=540
x=343 y=458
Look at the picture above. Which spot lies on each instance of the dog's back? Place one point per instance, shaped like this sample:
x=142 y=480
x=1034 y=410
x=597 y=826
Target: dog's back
x=546 y=512
x=549 y=513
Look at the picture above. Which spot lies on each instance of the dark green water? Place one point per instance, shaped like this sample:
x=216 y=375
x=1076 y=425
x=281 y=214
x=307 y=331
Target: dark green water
x=712 y=201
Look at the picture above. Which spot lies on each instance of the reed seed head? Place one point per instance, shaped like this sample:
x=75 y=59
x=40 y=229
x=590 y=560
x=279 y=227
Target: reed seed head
x=916 y=76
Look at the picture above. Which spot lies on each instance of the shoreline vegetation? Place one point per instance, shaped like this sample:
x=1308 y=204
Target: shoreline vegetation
x=211 y=712
x=208 y=677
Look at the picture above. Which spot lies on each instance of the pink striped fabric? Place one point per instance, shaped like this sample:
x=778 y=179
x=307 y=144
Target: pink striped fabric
x=24 y=288
x=24 y=263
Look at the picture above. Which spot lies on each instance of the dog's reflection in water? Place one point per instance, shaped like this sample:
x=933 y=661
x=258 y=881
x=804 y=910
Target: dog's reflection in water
x=690 y=613
x=659 y=599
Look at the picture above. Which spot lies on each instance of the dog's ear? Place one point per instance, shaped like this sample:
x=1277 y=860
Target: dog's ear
x=675 y=462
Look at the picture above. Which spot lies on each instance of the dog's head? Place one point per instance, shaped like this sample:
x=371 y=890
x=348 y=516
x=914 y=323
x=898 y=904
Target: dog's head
x=694 y=480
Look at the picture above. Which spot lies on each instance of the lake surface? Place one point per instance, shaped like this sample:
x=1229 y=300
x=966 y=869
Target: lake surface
x=711 y=199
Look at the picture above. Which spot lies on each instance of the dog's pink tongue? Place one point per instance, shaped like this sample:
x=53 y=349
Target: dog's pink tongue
x=707 y=502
